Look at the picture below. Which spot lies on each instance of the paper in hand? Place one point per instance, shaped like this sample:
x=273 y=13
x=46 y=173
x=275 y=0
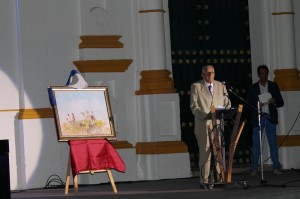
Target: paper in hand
x=264 y=98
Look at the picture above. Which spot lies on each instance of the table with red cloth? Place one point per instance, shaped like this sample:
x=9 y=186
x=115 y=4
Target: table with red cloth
x=94 y=154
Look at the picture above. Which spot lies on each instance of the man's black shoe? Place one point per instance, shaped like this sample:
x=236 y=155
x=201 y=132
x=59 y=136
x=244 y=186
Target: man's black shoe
x=210 y=186
x=206 y=186
x=203 y=186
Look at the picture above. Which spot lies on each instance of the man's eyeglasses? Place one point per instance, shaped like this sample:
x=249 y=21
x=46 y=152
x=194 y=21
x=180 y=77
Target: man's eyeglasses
x=210 y=73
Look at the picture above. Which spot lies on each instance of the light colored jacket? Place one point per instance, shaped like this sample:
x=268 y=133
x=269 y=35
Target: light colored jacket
x=201 y=101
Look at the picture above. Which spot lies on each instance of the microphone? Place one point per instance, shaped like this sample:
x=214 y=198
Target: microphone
x=225 y=95
x=230 y=88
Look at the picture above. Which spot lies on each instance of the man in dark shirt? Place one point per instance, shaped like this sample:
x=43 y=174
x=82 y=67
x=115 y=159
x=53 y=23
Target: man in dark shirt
x=266 y=96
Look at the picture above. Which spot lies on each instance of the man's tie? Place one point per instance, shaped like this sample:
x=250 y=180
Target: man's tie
x=209 y=88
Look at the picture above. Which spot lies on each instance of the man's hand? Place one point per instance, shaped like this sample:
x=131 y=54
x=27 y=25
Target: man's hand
x=271 y=101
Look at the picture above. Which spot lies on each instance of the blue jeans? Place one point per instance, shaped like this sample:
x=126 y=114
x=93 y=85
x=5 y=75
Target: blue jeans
x=272 y=140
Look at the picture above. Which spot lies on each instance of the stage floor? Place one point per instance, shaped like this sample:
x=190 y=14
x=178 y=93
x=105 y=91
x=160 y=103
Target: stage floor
x=284 y=186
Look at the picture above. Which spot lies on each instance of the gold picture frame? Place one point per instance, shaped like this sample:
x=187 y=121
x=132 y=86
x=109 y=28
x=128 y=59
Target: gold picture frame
x=82 y=113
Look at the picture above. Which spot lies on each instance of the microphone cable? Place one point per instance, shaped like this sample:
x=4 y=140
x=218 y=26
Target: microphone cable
x=285 y=135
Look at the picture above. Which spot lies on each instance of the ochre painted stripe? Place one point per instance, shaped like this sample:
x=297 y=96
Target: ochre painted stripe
x=287 y=79
x=152 y=10
x=9 y=110
x=283 y=13
x=35 y=113
x=156 y=82
x=100 y=41
x=95 y=66
x=288 y=141
x=122 y=144
x=163 y=147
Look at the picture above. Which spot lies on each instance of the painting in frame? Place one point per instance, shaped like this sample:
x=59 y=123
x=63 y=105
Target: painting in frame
x=82 y=113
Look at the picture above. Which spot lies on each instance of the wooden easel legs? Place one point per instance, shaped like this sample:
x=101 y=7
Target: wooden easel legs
x=112 y=182
x=75 y=178
x=68 y=176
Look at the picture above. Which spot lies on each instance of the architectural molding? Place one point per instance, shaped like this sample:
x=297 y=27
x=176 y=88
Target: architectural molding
x=283 y=13
x=163 y=147
x=152 y=10
x=35 y=113
x=156 y=82
x=288 y=141
x=122 y=144
x=100 y=41
x=287 y=79
x=96 y=66
x=10 y=110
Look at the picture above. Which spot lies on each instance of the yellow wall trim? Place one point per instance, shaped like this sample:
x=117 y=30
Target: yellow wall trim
x=153 y=10
x=122 y=144
x=163 y=147
x=291 y=140
x=156 y=82
x=283 y=13
x=287 y=79
x=95 y=66
x=35 y=113
x=10 y=110
x=103 y=41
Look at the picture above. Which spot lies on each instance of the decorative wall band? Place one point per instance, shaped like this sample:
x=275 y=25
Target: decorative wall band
x=283 y=13
x=95 y=66
x=104 y=41
x=35 y=113
x=156 y=82
x=123 y=144
x=289 y=141
x=153 y=10
x=287 y=79
x=10 y=110
x=161 y=147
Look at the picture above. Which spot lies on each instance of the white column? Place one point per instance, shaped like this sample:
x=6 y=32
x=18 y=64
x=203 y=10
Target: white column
x=286 y=75
x=160 y=152
x=153 y=34
x=283 y=17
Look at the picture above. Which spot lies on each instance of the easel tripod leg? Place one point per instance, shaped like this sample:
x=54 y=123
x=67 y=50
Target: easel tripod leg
x=112 y=181
x=68 y=176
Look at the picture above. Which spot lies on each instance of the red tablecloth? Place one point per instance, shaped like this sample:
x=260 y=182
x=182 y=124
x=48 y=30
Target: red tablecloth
x=94 y=155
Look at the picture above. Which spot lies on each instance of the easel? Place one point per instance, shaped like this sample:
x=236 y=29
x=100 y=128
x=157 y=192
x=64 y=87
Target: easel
x=75 y=178
x=216 y=149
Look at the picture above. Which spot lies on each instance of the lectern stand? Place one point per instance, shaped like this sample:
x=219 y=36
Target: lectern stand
x=216 y=146
x=221 y=114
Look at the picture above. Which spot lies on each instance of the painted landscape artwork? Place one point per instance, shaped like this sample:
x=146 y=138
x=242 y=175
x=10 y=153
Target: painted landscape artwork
x=83 y=113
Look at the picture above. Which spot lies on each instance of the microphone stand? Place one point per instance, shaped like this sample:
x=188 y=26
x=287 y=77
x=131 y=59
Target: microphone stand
x=263 y=183
x=235 y=94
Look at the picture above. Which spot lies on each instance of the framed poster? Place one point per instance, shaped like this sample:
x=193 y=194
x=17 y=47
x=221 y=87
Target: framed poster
x=82 y=113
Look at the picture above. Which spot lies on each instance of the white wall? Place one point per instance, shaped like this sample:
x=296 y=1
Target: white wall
x=9 y=75
x=39 y=42
x=34 y=54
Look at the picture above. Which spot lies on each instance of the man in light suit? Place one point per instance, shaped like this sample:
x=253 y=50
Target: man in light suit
x=204 y=94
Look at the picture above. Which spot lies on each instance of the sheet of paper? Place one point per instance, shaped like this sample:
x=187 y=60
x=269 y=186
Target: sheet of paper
x=263 y=98
x=220 y=107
